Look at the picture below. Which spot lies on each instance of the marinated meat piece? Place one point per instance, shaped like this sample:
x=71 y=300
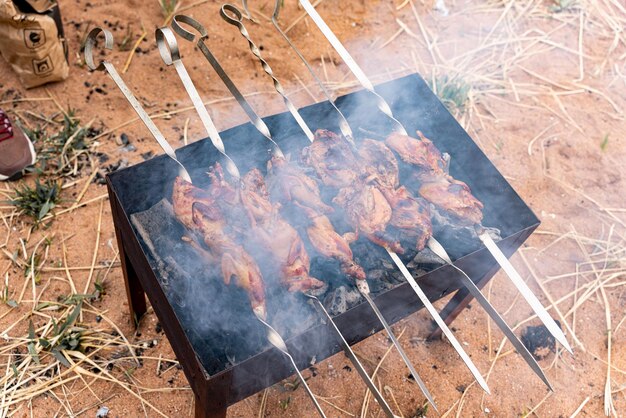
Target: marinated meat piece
x=275 y=239
x=224 y=193
x=455 y=198
x=452 y=196
x=330 y=244
x=410 y=216
x=255 y=198
x=236 y=263
x=332 y=159
x=420 y=152
x=368 y=211
x=227 y=197
x=279 y=242
x=380 y=163
x=287 y=182
x=183 y=196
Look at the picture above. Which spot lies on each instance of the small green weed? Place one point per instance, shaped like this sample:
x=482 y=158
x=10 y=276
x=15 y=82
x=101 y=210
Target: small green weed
x=126 y=44
x=605 y=142
x=563 y=5
x=453 y=92
x=37 y=201
x=64 y=152
x=168 y=7
x=4 y=294
x=284 y=403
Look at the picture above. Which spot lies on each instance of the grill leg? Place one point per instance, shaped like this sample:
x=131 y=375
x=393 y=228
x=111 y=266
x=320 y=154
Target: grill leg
x=202 y=410
x=134 y=290
x=459 y=301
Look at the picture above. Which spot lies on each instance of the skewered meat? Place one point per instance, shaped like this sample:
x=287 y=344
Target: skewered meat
x=222 y=191
x=287 y=182
x=330 y=244
x=289 y=185
x=236 y=263
x=455 y=198
x=381 y=164
x=332 y=159
x=410 y=216
x=198 y=211
x=369 y=213
x=183 y=196
x=275 y=239
x=452 y=196
x=420 y=152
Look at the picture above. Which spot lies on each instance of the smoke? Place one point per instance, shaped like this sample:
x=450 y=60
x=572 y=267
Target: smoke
x=216 y=317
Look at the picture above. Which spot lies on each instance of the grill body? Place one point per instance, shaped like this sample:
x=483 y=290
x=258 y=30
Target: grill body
x=138 y=188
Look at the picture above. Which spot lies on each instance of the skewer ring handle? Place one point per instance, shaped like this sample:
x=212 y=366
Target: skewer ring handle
x=228 y=10
x=168 y=46
x=190 y=21
x=91 y=44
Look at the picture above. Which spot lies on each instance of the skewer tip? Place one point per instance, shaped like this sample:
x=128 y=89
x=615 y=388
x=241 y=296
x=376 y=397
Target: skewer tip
x=486 y=388
x=566 y=345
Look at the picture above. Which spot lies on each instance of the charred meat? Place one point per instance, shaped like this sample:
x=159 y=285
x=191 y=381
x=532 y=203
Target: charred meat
x=369 y=213
x=236 y=263
x=454 y=198
x=330 y=244
x=331 y=158
x=419 y=152
x=198 y=211
x=274 y=238
x=410 y=216
x=380 y=163
x=288 y=183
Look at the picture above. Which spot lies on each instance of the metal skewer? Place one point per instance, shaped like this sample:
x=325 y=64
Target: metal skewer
x=384 y=107
x=254 y=117
x=491 y=311
x=143 y=115
x=422 y=296
x=168 y=47
x=277 y=341
x=361 y=285
x=238 y=21
x=354 y=67
x=344 y=126
x=272 y=336
x=247 y=10
x=355 y=361
x=434 y=245
x=523 y=288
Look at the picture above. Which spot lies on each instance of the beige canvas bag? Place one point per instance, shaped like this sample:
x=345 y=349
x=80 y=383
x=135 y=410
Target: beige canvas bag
x=30 y=42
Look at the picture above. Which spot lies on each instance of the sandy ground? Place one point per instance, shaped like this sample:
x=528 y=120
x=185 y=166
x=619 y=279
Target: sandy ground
x=547 y=89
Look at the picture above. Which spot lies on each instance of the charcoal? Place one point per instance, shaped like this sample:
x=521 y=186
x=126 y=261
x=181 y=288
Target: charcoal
x=341 y=299
x=426 y=256
x=539 y=341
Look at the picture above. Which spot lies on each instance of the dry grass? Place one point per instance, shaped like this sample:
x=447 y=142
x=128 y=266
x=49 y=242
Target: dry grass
x=65 y=353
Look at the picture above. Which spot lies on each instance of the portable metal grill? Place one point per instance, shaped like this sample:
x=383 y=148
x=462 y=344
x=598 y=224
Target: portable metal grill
x=221 y=371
